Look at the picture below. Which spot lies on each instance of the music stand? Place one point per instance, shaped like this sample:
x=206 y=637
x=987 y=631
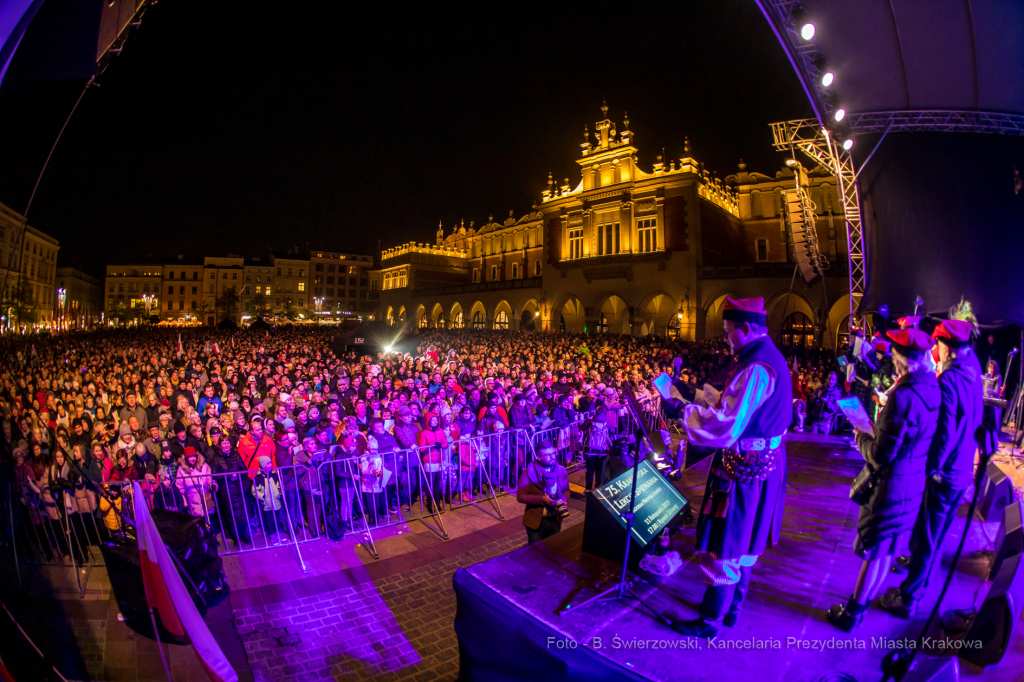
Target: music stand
x=621 y=589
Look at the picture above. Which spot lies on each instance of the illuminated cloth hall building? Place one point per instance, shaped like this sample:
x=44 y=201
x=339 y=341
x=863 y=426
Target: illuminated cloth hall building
x=624 y=250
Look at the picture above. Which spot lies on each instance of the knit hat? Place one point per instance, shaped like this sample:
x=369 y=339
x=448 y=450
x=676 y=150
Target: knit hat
x=124 y=429
x=179 y=427
x=264 y=461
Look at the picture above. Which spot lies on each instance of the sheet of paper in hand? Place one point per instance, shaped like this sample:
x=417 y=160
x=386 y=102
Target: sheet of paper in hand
x=855 y=412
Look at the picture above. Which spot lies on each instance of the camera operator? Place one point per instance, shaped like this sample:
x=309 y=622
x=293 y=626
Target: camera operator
x=544 y=489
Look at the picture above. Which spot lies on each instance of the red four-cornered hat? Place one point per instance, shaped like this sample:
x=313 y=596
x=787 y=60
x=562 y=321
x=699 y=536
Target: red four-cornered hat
x=953 y=332
x=909 y=321
x=744 y=310
x=914 y=339
x=881 y=345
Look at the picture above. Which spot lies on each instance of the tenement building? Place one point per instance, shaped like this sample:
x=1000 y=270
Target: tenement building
x=632 y=251
x=28 y=268
x=78 y=301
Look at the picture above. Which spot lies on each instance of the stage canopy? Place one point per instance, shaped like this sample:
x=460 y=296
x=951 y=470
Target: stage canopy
x=941 y=200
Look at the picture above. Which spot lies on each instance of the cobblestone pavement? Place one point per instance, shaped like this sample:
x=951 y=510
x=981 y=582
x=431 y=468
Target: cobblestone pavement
x=396 y=627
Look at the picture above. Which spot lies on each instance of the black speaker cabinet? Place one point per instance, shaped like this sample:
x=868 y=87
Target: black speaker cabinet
x=605 y=537
x=1010 y=540
x=994 y=624
x=996 y=495
x=932 y=669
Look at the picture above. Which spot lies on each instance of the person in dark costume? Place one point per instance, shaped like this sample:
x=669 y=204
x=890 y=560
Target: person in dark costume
x=950 y=461
x=741 y=516
x=896 y=454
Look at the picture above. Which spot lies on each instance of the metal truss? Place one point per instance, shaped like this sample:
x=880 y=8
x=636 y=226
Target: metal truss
x=817 y=143
x=938 y=121
x=803 y=54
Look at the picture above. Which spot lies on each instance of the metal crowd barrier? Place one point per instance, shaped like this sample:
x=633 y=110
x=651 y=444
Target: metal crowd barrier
x=51 y=528
x=251 y=511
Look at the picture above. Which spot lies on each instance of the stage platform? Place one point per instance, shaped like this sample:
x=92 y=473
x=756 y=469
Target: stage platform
x=509 y=626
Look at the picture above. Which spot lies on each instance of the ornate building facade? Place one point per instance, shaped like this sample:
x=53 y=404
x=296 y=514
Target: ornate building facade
x=625 y=250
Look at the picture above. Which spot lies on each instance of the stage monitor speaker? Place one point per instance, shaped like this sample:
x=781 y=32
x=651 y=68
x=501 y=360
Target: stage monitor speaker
x=1010 y=541
x=933 y=669
x=996 y=494
x=605 y=537
x=994 y=624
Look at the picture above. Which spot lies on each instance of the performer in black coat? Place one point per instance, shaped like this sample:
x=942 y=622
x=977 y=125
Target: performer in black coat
x=741 y=515
x=950 y=461
x=897 y=453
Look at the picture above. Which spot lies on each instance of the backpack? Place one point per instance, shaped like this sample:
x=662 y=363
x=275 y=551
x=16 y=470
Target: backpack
x=333 y=523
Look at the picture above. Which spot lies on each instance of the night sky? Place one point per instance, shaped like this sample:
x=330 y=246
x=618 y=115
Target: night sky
x=238 y=127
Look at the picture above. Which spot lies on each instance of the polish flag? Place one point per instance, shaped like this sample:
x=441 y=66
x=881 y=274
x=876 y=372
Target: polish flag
x=180 y=349
x=216 y=348
x=166 y=593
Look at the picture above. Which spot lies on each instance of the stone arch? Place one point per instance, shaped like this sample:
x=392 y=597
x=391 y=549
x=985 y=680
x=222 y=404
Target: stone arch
x=420 y=319
x=837 y=314
x=655 y=312
x=502 y=316
x=402 y=314
x=456 y=318
x=568 y=314
x=781 y=306
x=477 y=316
x=390 y=316
x=529 y=315
x=437 y=317
x=613 y=316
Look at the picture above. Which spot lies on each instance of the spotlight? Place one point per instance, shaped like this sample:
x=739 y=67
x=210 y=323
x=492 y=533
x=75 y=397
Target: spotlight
x=826 y=80
x=848 y=143
x=840 y=114
x=387 y=350
x=807 y=31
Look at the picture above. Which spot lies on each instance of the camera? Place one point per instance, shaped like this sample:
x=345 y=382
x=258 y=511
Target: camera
x=561 y=508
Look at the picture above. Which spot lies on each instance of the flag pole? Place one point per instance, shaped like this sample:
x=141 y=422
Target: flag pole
x=159 y=644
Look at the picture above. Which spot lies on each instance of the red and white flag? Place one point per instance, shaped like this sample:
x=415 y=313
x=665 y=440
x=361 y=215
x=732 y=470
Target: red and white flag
x=180 y=349
x=167 y=594
x=216 y=348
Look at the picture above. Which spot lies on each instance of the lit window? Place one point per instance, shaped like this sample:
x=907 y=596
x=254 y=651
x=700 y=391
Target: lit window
x=647 y=235
x=302 y=286
x=608 y=239
x=576 y=243
x=259 y=288
x=268 y=291
x=501 y=320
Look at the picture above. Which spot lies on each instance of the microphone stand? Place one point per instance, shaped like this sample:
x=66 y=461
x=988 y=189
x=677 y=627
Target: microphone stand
x=621 y=589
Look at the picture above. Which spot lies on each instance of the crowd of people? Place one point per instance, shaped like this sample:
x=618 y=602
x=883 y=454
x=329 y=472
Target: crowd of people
x=229 y=425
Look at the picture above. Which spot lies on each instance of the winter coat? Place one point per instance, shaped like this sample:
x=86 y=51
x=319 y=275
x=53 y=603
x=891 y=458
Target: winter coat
x=267 y=489
x=196 y=487
x=951 y=455
x=168 y=498
x=430 y=444
x=231 y=489
x=898 y=453
x=251 y=451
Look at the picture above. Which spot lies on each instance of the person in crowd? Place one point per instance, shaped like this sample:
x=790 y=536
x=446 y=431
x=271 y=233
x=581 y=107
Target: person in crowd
x=197 y=486
x=992 y=417
x=267 y=491
x=896 y=456
x=826 y=406
x=741 y=516
x=950 y=461
x=255 y=444
x=597 y=443
x=544 y=489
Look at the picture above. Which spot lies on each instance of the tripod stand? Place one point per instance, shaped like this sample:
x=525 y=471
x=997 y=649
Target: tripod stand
x=621 y=589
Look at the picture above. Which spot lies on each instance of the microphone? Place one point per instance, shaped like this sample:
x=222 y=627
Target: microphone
x=1013 y=352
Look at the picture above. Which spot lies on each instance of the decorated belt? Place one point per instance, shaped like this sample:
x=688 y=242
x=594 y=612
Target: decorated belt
x=748 y=444
x=752 y=460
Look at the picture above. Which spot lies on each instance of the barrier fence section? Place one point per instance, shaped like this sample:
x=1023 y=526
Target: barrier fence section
x=51 y=527
x=288 y=506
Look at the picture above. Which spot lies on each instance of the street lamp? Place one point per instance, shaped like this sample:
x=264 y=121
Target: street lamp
x=318 y=301
x=62 y=297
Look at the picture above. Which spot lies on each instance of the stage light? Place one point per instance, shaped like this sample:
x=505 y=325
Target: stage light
x=387 y=350
x=807 y=31
x=826 y=80
x=848 y=144
x=840 y=114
